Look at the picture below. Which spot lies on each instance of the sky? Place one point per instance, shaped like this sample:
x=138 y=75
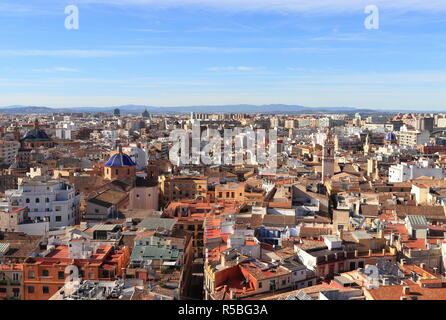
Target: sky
x=215 y=52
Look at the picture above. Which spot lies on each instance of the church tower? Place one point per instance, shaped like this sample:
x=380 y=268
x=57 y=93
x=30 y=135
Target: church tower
x=146 y=114
x=366 y=146
x=328 y=157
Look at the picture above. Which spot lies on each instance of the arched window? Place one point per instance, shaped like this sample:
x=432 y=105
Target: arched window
x=27 y=200
x=37 y=200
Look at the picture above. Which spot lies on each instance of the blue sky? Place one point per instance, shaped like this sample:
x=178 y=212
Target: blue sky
x=211 y=52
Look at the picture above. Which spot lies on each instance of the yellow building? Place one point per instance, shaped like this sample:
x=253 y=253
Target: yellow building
x=175 y=188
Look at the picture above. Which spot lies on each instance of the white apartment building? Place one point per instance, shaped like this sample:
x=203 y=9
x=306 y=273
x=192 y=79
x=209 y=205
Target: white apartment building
x=8 y=151
x=48 y=199
x=408 y=171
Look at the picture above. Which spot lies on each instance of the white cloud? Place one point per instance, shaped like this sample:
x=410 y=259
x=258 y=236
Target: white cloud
x=234 y=68
x=123 y=51
x=150 y=30
x=56 y=69
x=14 y=9
x=416 y=89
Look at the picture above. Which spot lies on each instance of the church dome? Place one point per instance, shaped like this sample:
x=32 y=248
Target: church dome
x=146 y=114
x=120 y=160
x=390 y=137
x=36 y=134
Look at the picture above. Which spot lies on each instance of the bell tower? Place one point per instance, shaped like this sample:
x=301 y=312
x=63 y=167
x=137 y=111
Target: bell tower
x=328 y=157
x=366 y=146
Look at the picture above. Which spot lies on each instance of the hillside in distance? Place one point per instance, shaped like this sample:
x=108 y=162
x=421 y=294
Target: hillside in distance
x=133 y=109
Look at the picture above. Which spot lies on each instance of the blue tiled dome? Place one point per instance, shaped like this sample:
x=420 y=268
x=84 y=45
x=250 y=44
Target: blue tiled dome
x=390 y=137
x=120 y=160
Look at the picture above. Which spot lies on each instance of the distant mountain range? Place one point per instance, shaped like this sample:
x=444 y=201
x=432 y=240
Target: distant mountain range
x=133 y=109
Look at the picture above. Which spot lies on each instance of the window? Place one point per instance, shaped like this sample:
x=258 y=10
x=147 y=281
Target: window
x=61 y=275
x=45 y=290
x=27 y=200
x=47 y=200
x=31 y=274
x=37 y=200
x=15 y=277
x=45 y=273
x=58 y=218
x=30 y=289
x=260 y=285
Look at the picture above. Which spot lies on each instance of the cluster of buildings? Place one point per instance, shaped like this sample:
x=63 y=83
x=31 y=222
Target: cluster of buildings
x=92 y=208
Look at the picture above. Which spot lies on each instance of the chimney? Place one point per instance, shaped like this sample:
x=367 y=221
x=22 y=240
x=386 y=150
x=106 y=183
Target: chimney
x=370 y=252
x=422 y=265
x=406 y=290
x=384 y=252
x=356 y=253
